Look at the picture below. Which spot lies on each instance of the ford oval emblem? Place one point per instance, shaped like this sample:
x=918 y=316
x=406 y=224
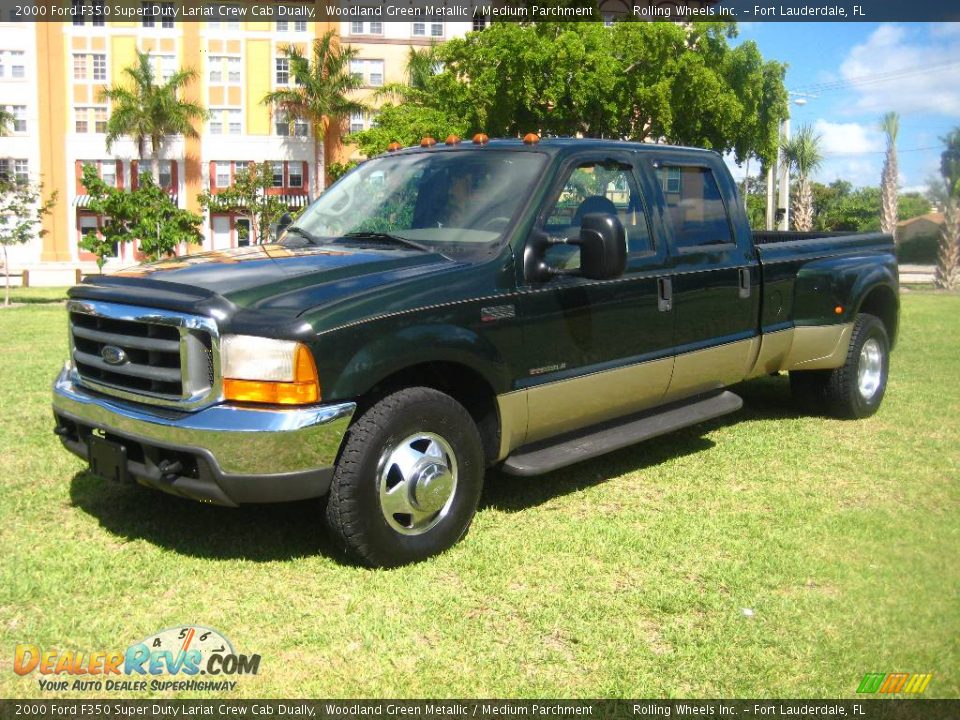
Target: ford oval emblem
x=112 y=355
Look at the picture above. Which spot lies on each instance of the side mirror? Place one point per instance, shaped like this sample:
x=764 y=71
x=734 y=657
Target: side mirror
x=603 y=247
x=284 y=222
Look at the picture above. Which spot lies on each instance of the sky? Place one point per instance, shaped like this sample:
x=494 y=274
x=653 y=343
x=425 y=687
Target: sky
x=850 y=74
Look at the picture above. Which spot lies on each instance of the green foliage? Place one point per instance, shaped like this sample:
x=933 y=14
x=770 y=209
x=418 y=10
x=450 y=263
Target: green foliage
x=147 y=215
x=6 y=120
x=337 y=170
x=633 y=80
x=248 y=196
x=405 y=124
x=147 y=110
x=21 y=213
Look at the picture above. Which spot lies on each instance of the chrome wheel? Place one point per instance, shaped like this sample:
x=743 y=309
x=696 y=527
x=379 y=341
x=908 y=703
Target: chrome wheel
x=870 y=369
x=417 y=481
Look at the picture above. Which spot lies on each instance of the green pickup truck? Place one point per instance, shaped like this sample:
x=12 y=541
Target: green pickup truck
x=459 y=306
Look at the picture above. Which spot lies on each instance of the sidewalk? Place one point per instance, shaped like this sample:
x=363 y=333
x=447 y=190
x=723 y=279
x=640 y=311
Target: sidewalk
x=917 y=273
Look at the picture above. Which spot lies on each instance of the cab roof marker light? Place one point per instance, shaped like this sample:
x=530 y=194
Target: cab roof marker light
x=394 y=146
x=452 y=140
x=481 y=139
x=531 y=139
x=427 y=142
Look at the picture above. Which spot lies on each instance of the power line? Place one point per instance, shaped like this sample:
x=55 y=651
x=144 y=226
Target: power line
x=882 y=152
x=861 y=80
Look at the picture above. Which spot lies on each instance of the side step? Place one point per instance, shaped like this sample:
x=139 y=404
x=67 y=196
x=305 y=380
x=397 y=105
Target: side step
x=558 y=452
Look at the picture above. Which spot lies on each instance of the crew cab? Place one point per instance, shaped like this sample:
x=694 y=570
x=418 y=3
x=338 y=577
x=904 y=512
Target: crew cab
x=458 y=306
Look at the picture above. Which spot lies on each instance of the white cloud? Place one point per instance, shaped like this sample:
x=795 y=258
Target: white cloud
x=895 y=70
x=848 y=138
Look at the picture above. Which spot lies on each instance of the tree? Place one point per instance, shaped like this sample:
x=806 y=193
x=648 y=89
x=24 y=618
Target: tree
x=6 y=120
x=320 y=93
x=948 y=258
x=422 y=65
x=148 y=111
x=637 y=81
x=890 y=125
x=802 y=153
x=146 y=215
x=406 y=124
x=337 y=170
x=21 y=212
x=248 y=195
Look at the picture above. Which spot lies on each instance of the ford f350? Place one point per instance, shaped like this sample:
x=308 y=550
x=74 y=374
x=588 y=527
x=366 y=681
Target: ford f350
x=448 y=308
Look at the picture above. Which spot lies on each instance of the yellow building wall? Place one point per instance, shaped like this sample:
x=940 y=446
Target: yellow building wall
x=258 y=85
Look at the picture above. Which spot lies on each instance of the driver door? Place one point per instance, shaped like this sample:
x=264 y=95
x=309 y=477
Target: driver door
x=596 y=350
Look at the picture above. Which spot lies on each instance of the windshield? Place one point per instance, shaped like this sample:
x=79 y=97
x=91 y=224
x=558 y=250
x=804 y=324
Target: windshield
x=456 y=203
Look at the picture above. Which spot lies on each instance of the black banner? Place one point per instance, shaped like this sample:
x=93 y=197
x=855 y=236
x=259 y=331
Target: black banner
x=872 y=709
x=94 y=11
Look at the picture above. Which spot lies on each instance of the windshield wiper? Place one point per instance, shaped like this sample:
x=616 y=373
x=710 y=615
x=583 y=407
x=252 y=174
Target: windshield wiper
x=297 y=230
x=398 y=239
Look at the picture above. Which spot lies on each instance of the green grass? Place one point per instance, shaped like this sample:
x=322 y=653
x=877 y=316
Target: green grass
x=626 y=576
x=35 y=294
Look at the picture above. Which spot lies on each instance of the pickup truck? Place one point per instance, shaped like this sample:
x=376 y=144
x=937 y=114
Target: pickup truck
x=458 y=306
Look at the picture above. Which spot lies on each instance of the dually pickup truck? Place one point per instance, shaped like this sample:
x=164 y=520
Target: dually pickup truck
x=448 y=308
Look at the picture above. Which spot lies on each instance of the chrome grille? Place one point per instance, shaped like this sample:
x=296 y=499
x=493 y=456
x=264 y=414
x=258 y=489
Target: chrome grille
x=148 y=355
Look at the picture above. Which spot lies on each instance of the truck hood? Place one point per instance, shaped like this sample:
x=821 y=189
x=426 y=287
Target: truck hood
x=250 y=276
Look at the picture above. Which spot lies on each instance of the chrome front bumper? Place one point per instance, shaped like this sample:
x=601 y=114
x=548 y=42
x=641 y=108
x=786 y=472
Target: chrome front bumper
x=226 y=454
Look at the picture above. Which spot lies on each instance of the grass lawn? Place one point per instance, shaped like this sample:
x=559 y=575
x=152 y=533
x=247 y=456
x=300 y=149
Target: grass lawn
x=625 y=576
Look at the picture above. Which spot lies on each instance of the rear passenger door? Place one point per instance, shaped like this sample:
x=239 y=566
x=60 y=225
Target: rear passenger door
x=715 y=293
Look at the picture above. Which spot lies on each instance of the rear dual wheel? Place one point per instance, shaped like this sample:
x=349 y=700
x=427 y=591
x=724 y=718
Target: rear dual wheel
x=408 y=481
x=855 y=389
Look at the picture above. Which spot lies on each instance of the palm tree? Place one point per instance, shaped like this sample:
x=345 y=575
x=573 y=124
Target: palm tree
x=320 y=93
x=148 y=109
x=421 y=67
x=948 y=257
x=802 y=153
x=890 y=125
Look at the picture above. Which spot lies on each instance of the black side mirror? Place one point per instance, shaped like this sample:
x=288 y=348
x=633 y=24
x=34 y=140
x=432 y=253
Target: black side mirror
x=603 y=247
x=284 y=222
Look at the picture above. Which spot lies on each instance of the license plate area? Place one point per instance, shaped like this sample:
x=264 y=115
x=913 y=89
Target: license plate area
x=108 y=459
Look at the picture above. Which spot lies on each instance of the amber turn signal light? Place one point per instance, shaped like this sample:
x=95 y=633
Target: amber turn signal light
x=304 y=389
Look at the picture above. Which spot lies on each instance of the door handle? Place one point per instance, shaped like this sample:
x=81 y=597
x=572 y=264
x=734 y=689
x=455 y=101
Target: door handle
x=664 y=294
x=744 y=282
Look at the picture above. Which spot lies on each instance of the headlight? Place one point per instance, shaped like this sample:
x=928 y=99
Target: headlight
x=262 y=370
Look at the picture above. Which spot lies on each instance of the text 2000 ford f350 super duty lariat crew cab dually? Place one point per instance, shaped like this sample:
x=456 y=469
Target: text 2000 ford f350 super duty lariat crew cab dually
x=456 y=306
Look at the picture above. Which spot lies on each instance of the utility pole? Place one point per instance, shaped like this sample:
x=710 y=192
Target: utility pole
x=783 y=201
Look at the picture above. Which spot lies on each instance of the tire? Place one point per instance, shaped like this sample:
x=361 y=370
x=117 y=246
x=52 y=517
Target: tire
x=408 y=480
x=855 y=389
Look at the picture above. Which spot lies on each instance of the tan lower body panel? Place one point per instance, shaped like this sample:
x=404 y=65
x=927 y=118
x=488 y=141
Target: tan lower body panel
x=544 y=411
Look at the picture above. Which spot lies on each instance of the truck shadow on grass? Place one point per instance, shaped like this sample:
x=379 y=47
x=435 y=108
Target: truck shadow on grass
x=266 y=533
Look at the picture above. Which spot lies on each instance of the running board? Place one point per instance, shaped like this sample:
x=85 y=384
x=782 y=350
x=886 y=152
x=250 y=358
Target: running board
x=549 y=455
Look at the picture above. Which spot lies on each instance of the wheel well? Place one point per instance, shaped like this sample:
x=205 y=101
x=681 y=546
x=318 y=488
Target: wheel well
x=463 y=384
x=882 y=302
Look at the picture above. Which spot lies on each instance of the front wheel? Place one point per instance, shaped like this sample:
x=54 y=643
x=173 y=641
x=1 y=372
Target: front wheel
x=408 y=480
x=855 y=389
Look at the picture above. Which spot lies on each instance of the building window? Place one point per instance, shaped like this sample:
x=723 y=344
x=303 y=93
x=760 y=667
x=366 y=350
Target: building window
x=12 y=64
x=277 y=168
x=283 y=126
x=224 y=66
x=358 y=122
x=89 y=66
x=480 y=22
x=16 y=170
x=282 y=66
x=222 y=11
x=370 y=72
x=164 y=172
x=108 y=172
x=226 y=121
x=366 y=28
x=165 y=66
x=90 y=119
x=150 y=18
x=299 y=26
x=421 y=29
x=295 y=175
x=19 y=113
x=222 y=174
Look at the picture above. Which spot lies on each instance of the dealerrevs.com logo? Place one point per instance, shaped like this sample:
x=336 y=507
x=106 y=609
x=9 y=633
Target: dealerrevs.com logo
x=185 y=658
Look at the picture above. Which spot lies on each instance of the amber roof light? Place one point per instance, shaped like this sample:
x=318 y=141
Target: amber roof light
x=452 y=140
x=394 y=146
x=481 y=139
x=531 y=139
x=428 y=142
